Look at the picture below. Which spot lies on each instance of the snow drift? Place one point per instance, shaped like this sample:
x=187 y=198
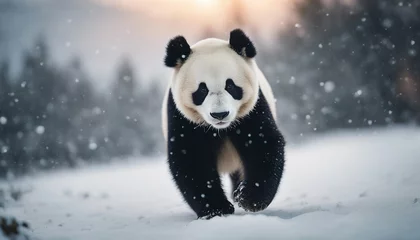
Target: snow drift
x=350 y=185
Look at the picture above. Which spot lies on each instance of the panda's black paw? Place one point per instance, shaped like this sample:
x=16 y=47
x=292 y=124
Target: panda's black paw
x=250 y=197
x=209 y=212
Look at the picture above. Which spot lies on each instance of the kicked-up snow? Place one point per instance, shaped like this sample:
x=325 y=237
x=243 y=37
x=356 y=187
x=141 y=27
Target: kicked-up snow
x=350 y=185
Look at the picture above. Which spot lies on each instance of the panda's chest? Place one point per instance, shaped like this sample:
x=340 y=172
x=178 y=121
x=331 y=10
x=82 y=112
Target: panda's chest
x=227 y=156
x=228 y=160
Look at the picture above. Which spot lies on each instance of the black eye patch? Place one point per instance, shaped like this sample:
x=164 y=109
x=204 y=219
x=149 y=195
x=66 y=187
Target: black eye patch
x=200 y=95
x=235 y=91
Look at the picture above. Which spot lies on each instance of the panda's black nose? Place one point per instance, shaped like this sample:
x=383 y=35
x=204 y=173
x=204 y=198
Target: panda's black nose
x=219 y=115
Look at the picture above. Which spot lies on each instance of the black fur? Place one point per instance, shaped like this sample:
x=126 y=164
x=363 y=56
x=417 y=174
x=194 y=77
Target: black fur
x=192 y=157
x=200 y=95
x=261 y=148
x=177 y=51
x=241 y=44
x=235 y=91
x=192 y=153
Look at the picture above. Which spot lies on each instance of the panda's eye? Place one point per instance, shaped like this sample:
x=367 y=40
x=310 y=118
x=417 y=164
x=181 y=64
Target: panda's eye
x=235 y=91
x=200 y=94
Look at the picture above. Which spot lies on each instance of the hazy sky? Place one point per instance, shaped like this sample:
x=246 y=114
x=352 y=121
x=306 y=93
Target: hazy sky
x=102 y=31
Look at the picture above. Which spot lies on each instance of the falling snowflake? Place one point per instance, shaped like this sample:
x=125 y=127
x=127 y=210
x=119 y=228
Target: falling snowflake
x=292 y=80
x=3 y=120
x=412 y=52
x=40 y=130
x=387 y=23
x=4 y=149
x=93 y=146
x=358 y=93
x=329 y=86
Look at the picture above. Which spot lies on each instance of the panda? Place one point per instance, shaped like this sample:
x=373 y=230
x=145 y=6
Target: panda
x=218 y=117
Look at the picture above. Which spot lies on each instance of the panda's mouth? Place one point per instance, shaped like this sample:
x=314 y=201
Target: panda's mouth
x=221 y=124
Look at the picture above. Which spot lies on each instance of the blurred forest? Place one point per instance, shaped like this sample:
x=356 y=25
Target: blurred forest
x=348 y=65
x=51 y=116
x=341 y=66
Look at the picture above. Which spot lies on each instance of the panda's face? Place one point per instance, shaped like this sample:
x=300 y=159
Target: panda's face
x=212 y=87
x=218 y=103
x=213 y=83
x=221 y=83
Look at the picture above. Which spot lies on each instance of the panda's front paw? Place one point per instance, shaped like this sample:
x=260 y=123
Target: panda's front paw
x=238 y=191
x=250 y=197
x=226 y=209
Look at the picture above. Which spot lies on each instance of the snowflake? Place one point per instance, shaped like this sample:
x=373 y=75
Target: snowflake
x=3 y=120
x=40 y=130
x=329 y=86
x=93 y=146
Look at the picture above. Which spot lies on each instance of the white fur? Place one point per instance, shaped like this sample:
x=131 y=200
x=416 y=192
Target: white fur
x=212 y=61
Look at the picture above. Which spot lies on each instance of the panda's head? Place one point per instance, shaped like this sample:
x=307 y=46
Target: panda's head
x=214 y=81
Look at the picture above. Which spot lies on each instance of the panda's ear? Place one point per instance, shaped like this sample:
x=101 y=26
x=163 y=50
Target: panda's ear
x=241 y=44
x=177 y=51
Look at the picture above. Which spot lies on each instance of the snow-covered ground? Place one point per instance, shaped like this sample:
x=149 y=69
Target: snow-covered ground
x=350 y=185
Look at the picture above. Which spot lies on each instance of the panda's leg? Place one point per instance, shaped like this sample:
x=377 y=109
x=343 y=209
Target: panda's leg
x=192 y=161
x=235 y=179
x=192 y=156
x=261 y=148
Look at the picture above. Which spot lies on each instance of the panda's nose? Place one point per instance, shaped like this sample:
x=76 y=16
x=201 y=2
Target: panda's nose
x=219 y=115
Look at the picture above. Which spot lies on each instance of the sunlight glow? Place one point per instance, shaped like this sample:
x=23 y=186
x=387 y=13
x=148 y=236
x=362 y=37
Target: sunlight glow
x=264 y=15
x=205 y=2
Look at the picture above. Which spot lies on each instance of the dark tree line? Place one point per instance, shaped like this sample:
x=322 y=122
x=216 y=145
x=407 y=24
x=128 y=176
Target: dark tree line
x=348 y=65
x=51 y=116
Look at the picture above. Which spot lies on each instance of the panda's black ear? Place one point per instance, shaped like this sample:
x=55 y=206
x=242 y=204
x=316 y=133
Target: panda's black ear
x=242 y=44
x=177 y=51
